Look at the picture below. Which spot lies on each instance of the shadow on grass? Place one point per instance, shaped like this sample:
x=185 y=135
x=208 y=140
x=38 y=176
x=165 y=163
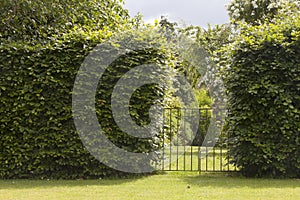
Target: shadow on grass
x=192 y=179
x=235 y=180
x=27 y=183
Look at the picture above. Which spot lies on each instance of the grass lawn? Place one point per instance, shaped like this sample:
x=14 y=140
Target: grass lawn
x=171 y=185
x=187 y=158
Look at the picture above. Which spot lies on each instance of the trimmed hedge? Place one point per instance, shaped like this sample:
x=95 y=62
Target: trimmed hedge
x=38 y=137
x=263 y=80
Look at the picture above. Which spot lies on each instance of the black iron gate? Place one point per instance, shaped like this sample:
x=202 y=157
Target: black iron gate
x=198 y=154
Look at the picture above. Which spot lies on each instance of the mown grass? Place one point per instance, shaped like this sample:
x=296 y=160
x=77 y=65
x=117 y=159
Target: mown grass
x=179 y=158
x=171 y=185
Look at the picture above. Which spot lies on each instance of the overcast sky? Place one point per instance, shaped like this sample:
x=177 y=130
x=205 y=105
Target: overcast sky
x=196 y=12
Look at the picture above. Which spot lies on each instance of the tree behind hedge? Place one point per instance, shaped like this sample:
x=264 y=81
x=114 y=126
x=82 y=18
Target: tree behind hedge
x=263 y=80
x=258 y=11
x=36 y=21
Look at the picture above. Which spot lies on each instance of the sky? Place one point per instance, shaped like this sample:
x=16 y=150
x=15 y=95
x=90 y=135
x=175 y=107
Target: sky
x=195 y=12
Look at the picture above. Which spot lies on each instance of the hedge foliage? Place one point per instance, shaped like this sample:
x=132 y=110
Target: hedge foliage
x=263 y=81
x=38 y=136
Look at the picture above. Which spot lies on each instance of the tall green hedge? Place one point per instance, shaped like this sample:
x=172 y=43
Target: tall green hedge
x=263 y=80
x=38 y=137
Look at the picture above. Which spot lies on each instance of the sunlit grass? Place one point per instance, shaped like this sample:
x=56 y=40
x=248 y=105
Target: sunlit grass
x=172 y=185
x=187 y=158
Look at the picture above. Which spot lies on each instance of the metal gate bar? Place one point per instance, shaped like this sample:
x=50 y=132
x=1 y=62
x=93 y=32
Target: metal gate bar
x=195 y=157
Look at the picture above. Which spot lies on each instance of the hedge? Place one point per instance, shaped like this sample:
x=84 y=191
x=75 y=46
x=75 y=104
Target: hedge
x=38 y=137
x=262 y=77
